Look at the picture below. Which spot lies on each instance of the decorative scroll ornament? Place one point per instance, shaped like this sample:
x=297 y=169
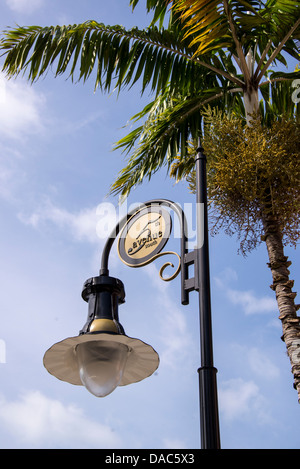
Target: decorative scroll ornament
x=144 y=236
x=167 y=279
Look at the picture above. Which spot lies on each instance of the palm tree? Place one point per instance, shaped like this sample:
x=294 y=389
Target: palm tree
x=217 y=52
x=253 y=190
x=211 y=51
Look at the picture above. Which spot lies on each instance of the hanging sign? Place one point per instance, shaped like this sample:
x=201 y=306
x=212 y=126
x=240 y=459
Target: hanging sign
x=144 y=235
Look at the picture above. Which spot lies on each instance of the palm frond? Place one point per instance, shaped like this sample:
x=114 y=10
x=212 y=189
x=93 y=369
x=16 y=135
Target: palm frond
x=159 y=7
x=171 y=122
x=108 y=51
x=204 y=24
x=186 y=65
x=211 y=24
x=113 y=55
x=278 y=100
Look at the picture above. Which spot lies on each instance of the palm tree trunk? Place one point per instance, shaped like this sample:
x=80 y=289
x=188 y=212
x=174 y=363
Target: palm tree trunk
x=251 y=103
x=282 y=285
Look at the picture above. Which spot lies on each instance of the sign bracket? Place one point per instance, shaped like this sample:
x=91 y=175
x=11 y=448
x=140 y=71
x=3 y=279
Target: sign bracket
x=186 y=258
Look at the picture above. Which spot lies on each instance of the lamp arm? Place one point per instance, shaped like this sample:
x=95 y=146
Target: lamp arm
x=183 y=244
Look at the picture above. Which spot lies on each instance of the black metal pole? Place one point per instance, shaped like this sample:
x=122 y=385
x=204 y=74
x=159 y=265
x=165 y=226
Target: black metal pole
x=209 y=414
x=209 y=420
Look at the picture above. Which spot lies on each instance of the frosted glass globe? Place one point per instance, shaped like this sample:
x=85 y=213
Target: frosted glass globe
x=101 y=365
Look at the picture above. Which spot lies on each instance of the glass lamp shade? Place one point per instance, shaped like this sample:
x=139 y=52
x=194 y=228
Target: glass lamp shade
x=101 y=365
x=101 y=361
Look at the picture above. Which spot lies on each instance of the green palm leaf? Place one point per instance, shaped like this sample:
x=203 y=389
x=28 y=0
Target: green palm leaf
x=209 y=48
x=117 y=57
x=171 y=121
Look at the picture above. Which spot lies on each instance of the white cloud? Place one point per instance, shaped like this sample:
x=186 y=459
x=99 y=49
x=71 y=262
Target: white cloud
x=247 y=299
x=175 y=335
x=239 y=399
x=21 y=116
x=250 y=303
x=262 y=365
x=89 y=224
x=257 y=360
x=40 y=422
x=21 y=109
x=24 y=6
x=174 y=331
x=12 y=176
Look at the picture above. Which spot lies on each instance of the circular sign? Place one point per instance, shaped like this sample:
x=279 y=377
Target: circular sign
x=144 y=235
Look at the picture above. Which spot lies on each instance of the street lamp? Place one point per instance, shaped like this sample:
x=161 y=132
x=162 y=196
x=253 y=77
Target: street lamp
x=102 y=356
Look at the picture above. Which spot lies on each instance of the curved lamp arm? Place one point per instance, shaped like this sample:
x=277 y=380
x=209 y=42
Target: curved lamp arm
x=183 y=242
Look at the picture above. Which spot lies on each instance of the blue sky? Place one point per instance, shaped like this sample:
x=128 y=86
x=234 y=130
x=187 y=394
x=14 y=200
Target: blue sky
x=56 y=167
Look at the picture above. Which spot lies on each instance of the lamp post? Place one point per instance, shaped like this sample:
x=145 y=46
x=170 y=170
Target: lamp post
x=210 y=435
x=102 y=356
